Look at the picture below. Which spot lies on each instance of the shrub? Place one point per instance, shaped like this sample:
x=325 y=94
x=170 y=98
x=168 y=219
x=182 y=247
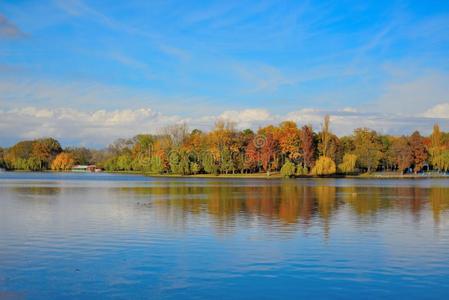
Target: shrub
x=324 y=166
x=288 y=169
x=301 y=170
x=195 y=168
x=348 y=164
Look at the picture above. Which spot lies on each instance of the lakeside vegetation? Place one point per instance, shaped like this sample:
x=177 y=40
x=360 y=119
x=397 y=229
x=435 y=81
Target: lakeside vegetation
x=285 y=149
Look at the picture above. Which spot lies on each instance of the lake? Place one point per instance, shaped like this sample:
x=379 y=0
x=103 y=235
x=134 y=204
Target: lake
x=78 y=236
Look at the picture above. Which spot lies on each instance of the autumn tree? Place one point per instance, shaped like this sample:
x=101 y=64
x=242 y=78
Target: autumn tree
x=419 y=151
x=348 y=164
x=289 y=139
x=367 y=147
x=242 y=141
x=81 y=155
x=18 y=157
x=345 y=145
x=403 y=153
x=324 y=166
x=252 y=156
x=436 y=147
x=307 y=146
x=325 y=138
x=45 y=150
x=2 y=159
x=388 y=159
x=267 y=149
x=177 y=133
x=64 y=161
x=444 y=161
x=142 y=145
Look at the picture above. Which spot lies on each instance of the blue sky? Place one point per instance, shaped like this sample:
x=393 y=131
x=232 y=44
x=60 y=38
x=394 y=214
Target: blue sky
x=78 y=69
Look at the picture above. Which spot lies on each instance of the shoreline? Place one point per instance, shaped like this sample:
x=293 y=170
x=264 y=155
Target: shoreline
x=277 y=175
x=273 y=175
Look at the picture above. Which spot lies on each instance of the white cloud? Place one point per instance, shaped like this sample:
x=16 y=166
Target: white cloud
x=101 y=127
x=98 y=127
x=438 y=111
x=245 y=115
x=344 y=121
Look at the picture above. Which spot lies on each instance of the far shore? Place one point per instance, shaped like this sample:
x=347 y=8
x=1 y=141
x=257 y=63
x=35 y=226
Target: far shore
x=271 y=175
x=277 y=175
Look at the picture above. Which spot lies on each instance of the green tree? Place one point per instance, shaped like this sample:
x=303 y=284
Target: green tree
x=388 y=160
x=288 y=169
x=444 y=161
x=124 y=162
x=301 y=170
x=33 y=164
x=156 y=165
x=436 y=147
x=441 y=162
x=348 y=164
x=16 y=157
x=227 y=163
x=179 y=162
x=346 y=145
x=195 y=167
x=174 y=160
x=367 y=148
x=184 y=164
x=209 y=163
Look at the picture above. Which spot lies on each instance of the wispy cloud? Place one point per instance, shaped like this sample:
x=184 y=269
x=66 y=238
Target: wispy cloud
x=79 y=8
x=82 y=94
x=134 y=64
x=9 y=29
x=413 y=94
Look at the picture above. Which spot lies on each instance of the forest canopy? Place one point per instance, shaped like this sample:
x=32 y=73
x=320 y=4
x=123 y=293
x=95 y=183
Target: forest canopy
x=286 y=148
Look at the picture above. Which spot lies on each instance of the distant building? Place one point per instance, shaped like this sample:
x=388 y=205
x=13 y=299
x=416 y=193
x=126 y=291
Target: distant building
x=85 y=168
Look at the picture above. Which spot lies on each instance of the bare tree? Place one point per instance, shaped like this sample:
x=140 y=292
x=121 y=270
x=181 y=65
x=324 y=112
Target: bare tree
x=177 y=133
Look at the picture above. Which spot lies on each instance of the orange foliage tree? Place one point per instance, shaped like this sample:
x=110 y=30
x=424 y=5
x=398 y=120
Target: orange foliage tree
x=63 y=162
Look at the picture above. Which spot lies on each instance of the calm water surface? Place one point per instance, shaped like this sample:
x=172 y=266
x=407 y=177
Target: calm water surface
x=132 y=237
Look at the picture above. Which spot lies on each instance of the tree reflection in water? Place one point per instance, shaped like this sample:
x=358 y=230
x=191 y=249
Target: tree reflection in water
x=289 y=203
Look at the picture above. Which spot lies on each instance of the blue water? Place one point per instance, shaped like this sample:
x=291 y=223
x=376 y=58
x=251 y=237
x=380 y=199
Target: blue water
x=78 y=236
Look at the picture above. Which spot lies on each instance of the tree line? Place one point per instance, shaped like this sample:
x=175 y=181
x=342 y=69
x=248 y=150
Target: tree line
x=286 y=148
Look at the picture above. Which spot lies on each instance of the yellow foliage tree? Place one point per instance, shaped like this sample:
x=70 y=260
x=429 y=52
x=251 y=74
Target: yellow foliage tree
x=324 y=166
x=63 y=162
x=348 y=164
